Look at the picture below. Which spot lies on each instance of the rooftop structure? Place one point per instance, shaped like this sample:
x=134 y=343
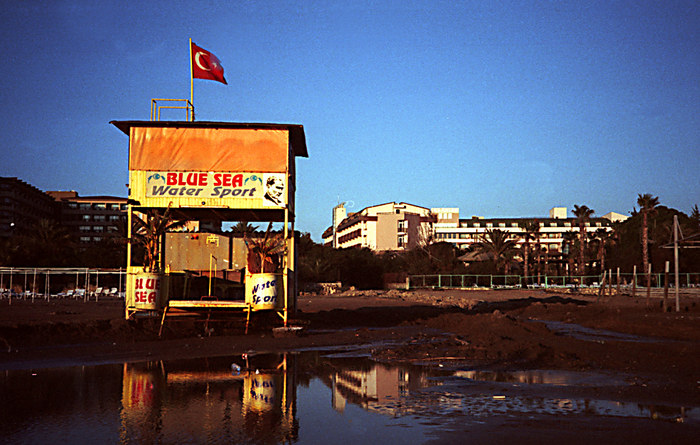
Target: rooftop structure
x=22 y=206
x=389 y=226
x=91 y=219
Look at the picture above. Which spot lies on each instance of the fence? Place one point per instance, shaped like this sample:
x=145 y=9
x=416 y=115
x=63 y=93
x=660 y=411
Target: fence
x=35 y=282
x=517 y=281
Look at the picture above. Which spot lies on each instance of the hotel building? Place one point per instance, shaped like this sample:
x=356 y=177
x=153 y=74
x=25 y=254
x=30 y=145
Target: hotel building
x=89 y=219
x=403 y=226
x=465 y=232
x=390 y=226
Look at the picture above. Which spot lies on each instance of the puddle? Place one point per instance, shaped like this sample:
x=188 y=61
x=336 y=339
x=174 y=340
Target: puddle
x=543 y=377
x=320 y=396
x=480 y=407
x=598 y=335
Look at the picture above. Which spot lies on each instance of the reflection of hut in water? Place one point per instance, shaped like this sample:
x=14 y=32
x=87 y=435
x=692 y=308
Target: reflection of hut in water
x=373 y=386
x=143 y=388
x=205 y=398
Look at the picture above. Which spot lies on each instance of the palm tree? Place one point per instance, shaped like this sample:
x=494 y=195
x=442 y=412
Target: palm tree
x=583 y=215
x=261 y=251
x=602 y=238
x=647 y=206
x=531 y=230
x=244 y=228
x=47 y=243
x=149 y=229
x=569 y=241
x=695 y=218
x=498 y=245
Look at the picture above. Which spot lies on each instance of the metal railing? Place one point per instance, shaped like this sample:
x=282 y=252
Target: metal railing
x=42 y=282
x=445 y=281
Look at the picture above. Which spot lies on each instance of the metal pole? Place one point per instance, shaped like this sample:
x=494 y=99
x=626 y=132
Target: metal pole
x=675 y=260
x=34 y=286
x=634 y=281
x=618 y=281
x=666 y=270
x=191 y=81
x=10 y=293
x=648 y=284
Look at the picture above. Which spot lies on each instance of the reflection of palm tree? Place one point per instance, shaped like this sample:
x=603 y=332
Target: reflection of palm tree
x=499 y=246
x=583 y=215
x=647 y=206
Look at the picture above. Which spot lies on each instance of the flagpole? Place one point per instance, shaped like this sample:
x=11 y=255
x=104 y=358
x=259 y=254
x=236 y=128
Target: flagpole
x=191 y=82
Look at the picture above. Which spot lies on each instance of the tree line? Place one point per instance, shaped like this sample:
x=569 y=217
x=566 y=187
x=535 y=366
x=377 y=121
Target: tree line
x=638 y=241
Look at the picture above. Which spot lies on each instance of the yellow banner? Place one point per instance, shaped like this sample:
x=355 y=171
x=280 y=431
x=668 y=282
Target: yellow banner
x=232 y=189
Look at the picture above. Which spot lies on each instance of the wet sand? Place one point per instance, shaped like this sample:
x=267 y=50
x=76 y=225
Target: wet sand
x=659 y=355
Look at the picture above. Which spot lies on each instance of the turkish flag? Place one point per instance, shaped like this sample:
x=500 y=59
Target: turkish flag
x=205 y=65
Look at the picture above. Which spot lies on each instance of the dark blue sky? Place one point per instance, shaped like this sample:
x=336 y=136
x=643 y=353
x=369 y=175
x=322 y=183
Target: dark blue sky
x=500 y=108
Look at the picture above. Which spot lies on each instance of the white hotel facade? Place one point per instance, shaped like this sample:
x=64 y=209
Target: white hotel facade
x=402 y=226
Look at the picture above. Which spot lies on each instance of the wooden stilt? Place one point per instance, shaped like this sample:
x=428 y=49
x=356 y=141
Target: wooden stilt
x=162 y=321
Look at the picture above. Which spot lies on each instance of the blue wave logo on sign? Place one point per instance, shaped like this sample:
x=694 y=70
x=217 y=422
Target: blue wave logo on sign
x=254 y=178
x=156 y=177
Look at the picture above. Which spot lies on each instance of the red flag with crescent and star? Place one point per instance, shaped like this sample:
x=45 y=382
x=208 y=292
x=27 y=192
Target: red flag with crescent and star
x=206 y=65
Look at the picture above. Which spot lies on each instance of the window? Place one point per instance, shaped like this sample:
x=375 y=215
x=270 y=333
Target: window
x=501 y=224
x=85 y=206
x=115 y=217
x=567 y=224
x=100 y=218
x=489 y=224
x=114 y=207
x=98 y=229
x=84 y=239
x=86 y=218
x=100 y=206
x=84 y=228
x=514 y=225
